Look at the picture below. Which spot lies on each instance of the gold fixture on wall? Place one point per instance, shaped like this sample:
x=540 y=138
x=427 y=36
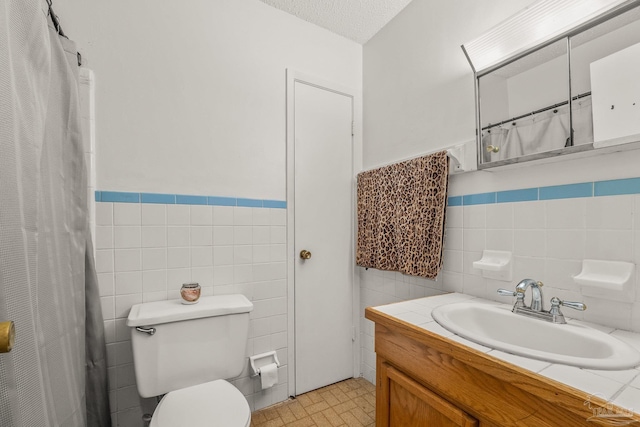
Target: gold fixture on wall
x=7 y=336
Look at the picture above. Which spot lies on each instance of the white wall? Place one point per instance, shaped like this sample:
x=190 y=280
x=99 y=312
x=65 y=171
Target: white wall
x=418 y=85
x=190 y=97
x=495 y=98
x=539 y=87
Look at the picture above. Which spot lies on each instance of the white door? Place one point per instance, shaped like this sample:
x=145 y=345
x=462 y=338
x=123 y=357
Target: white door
x=323 y=221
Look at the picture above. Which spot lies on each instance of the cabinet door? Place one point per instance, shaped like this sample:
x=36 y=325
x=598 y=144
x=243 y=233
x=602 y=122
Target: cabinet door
x=409 y=403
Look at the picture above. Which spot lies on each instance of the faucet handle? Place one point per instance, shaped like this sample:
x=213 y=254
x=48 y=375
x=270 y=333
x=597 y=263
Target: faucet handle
x=557 y=302
x=506 y=293
x=519 y=300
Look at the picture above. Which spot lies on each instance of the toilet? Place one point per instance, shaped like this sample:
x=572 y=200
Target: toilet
x=186 y=353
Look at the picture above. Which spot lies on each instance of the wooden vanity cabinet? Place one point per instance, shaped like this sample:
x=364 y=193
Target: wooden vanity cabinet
x=426 y=380
x=408 y=403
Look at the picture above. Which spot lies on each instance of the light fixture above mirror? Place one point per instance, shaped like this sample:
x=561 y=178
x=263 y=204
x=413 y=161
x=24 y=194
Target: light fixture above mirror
x=539 y=24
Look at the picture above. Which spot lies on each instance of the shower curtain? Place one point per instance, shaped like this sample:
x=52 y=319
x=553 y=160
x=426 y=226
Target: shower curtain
x=541 y=132
x=44 y=233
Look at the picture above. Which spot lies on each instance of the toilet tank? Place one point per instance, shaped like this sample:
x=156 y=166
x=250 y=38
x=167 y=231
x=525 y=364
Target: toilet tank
x=191 y=344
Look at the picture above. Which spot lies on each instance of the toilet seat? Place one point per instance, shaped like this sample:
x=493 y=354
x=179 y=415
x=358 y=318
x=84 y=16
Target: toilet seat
x=212 y=404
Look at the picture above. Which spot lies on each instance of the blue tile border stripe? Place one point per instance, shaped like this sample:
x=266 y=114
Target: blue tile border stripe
x=185 y=199
x=617 y=187
x=524 y=195
x=479 y=199
x=182 y=199
x=249 y=203
x=614 y=187
x=118 y=196
x=455 y=201
x=167 y=199
x=221 y=201
x=277 y=204
x=569 y=191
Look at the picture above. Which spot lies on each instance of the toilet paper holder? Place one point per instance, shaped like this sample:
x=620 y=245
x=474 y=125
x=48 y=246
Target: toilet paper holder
x=263 y=359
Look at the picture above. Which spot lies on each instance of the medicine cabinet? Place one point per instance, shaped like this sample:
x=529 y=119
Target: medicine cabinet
x=574 y=88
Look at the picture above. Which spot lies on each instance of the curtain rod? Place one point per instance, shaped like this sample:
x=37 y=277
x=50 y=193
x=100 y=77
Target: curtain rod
x=55 y=20
x=453 y=153
x=56 y=24
x=560 y=104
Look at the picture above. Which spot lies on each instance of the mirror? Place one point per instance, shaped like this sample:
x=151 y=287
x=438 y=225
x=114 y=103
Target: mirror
x=598 y=67
x=540 y=105
x=523 y=105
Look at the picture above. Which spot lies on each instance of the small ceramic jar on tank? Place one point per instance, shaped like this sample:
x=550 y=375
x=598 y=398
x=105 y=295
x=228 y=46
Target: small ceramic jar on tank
x=190 y=293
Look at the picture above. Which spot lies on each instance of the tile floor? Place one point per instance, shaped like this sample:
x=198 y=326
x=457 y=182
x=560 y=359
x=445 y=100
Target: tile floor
x=348 y=403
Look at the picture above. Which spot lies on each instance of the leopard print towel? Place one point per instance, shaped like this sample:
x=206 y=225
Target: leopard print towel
x=401 y=212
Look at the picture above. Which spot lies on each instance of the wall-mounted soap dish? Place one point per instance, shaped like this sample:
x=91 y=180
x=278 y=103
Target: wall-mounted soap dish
x=495 y=265
x=611 y=280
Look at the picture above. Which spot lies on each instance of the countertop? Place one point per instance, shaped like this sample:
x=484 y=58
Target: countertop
x=621 y=387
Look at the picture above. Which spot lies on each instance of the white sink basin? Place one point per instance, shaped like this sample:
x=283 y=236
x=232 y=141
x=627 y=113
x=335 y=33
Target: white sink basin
x=569 y=344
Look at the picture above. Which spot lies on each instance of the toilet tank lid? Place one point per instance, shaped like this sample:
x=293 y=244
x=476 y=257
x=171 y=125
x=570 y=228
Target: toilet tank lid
x=154 y=313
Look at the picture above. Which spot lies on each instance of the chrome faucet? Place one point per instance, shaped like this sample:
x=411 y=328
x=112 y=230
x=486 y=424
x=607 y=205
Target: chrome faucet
x=536 y=310
x=536 y=292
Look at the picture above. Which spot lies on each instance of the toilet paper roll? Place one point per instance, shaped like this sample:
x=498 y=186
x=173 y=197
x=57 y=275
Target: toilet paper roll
x=269 y=375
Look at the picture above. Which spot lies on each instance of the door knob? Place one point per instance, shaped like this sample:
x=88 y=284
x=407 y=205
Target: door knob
x=7 y=336
x=305 y=254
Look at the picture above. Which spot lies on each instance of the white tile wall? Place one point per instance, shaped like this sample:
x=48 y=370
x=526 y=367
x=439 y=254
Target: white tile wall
x=549 y=240
x=144 y=252
x=385 y=287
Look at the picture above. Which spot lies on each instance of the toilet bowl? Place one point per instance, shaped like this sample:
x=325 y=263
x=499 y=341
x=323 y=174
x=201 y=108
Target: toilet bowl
x=216 y=403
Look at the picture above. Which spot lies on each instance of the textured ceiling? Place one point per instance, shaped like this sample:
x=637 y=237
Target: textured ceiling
x=358 y=20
